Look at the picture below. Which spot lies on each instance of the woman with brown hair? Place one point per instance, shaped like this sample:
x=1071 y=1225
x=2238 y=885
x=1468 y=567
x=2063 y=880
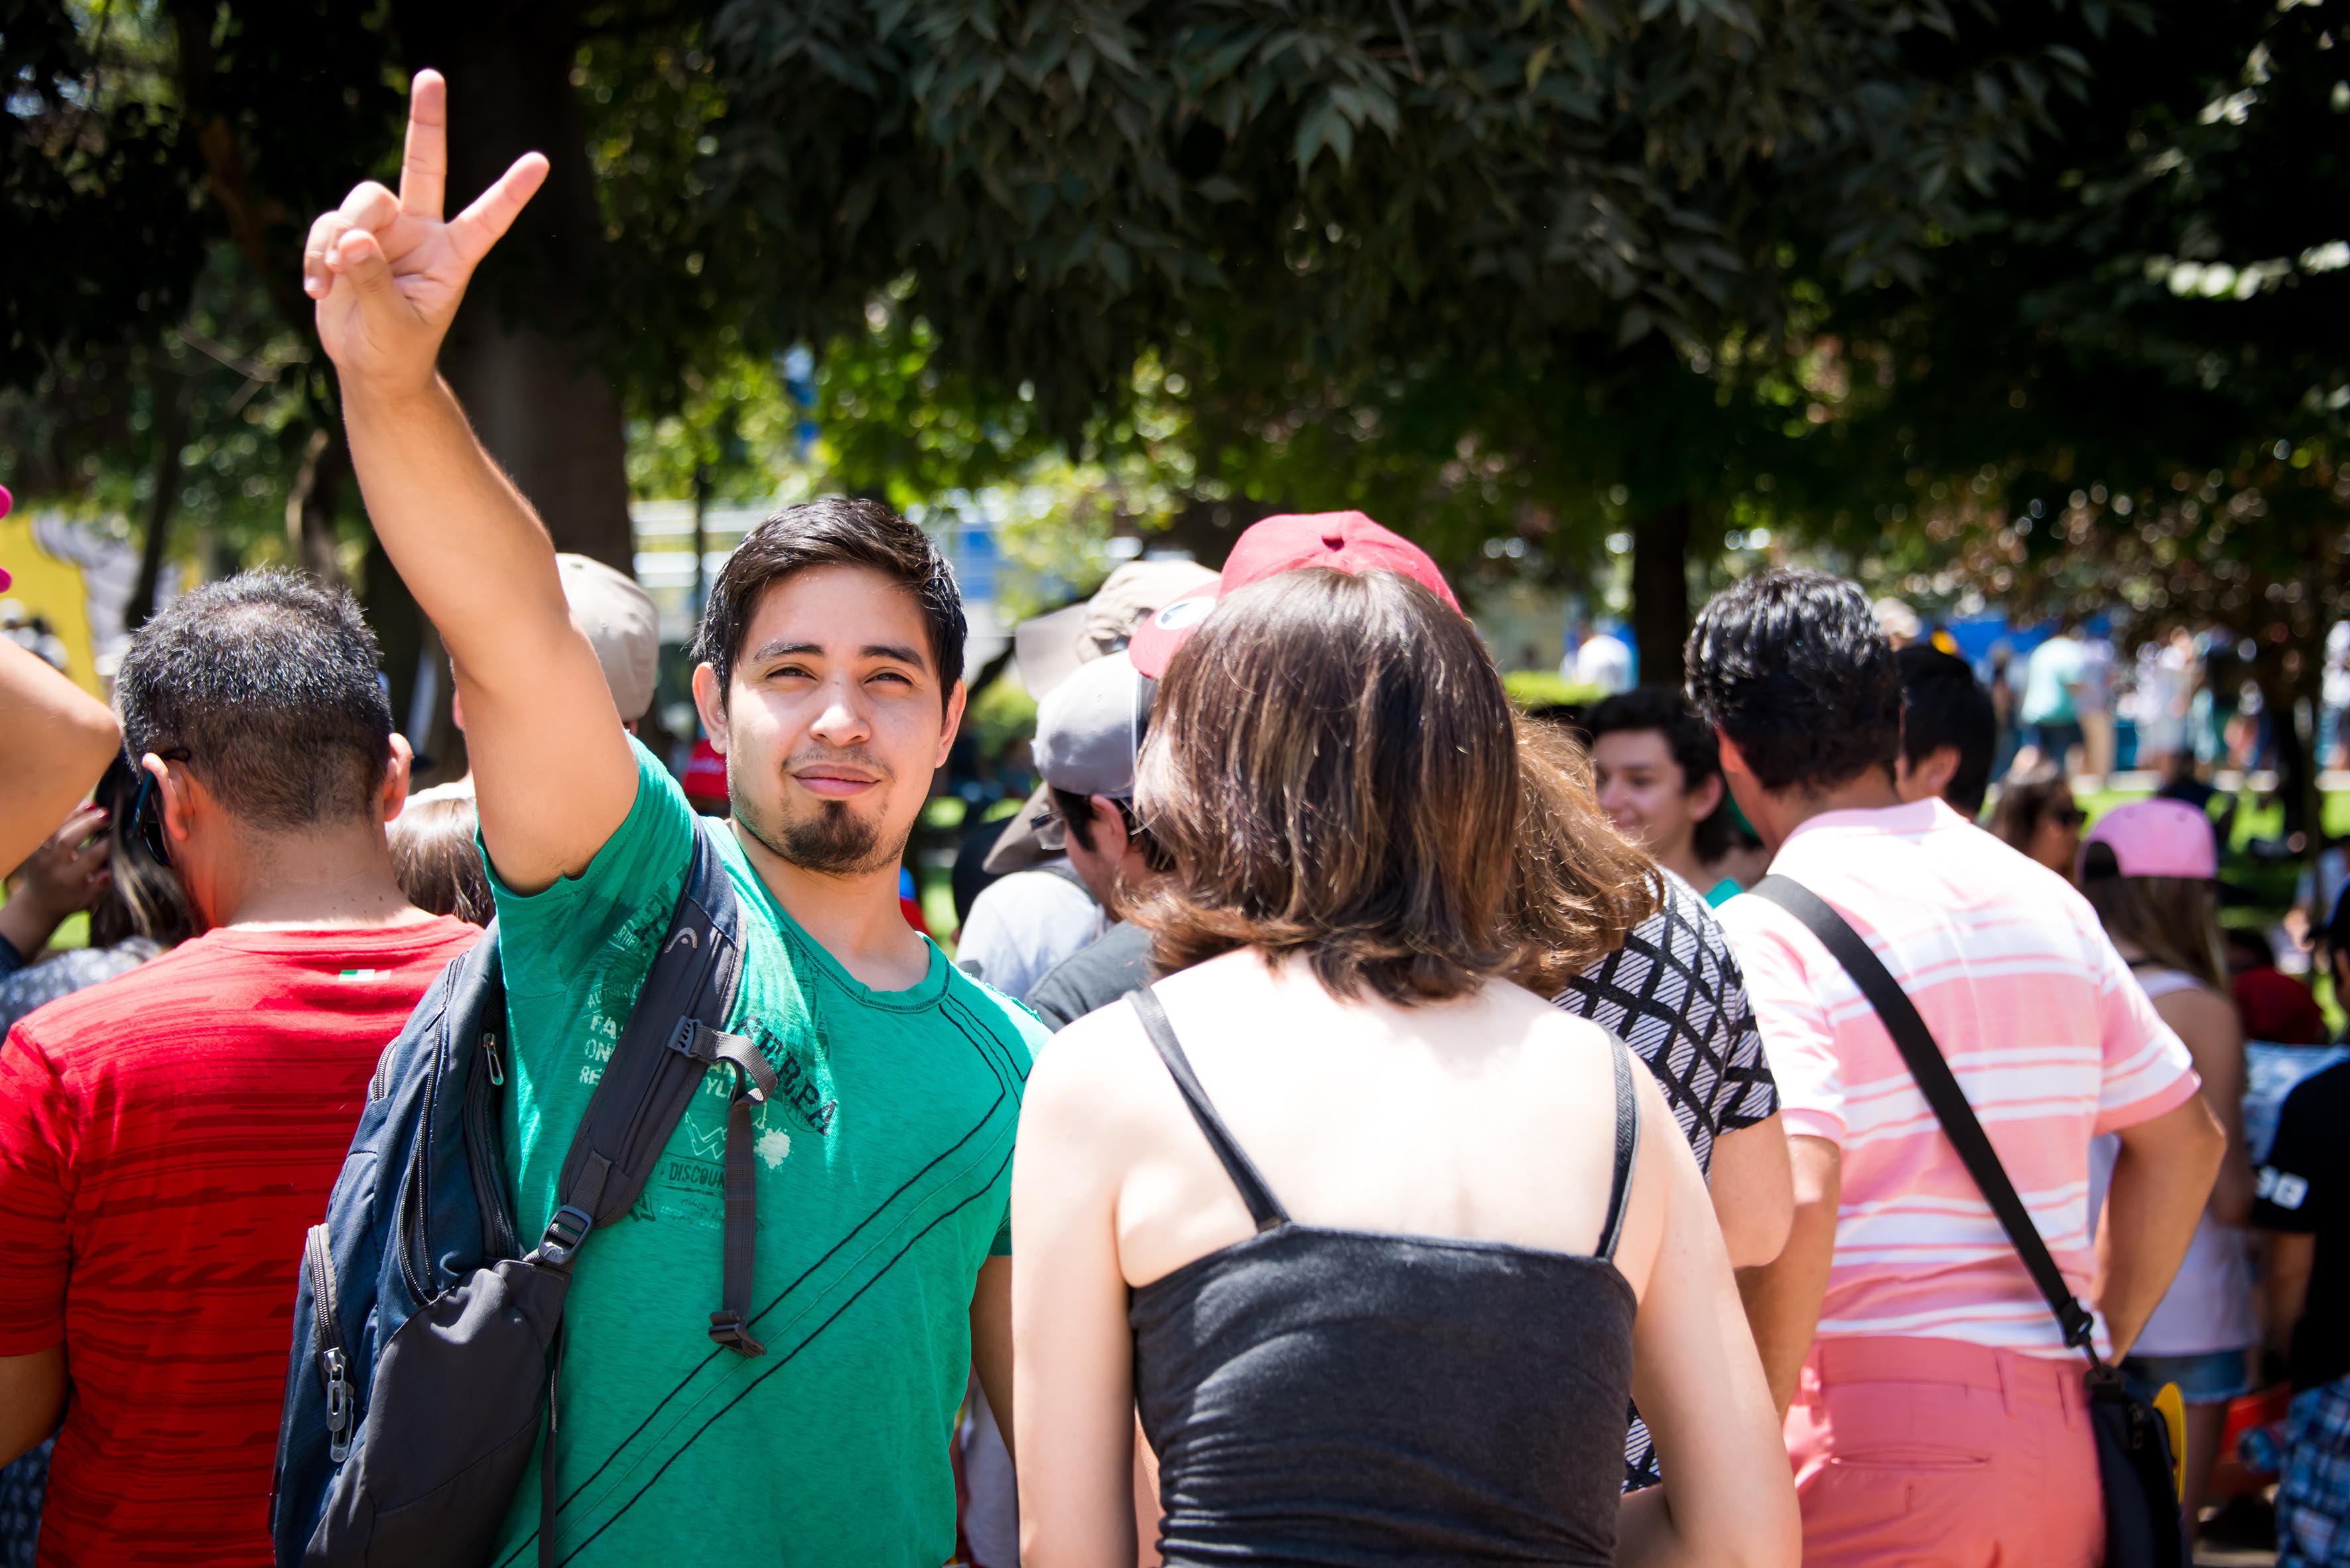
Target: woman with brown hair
x=2148 y=869
x=2036 y=813
x=1370 y=1233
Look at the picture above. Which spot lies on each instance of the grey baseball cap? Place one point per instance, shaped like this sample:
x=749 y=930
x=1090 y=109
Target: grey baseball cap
x=1089 y=730
x=621 y=626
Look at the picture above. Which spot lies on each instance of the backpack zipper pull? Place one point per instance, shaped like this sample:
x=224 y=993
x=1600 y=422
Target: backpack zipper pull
x=339 y=1408
x=497 y=1068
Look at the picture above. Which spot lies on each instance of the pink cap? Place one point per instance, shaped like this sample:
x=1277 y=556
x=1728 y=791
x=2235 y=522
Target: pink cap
x=6 y=501
x=2158 y=838
x=1345 y=541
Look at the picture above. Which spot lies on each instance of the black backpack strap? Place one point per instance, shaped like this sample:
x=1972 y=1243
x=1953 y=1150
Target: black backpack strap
x=755 y=1082
x=675 y=1034
x=654 y=1069
x=1933 y=1072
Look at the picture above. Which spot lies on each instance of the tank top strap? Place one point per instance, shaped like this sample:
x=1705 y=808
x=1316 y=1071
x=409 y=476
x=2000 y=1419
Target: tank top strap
x=1628 y=1145
x=1263 y=1207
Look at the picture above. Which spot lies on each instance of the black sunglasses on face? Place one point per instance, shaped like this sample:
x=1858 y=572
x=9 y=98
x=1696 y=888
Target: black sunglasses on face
x=147 y=824
x=2068 y=816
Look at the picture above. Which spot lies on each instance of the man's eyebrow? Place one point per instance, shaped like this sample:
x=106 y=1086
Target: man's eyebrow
x=779 y=649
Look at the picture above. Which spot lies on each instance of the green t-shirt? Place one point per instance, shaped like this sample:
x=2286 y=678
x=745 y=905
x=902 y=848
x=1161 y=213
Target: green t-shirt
x=884 y=1184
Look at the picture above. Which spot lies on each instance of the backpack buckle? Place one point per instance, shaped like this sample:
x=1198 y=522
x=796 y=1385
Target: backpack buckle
x=726 y=1328
x=564 y=1233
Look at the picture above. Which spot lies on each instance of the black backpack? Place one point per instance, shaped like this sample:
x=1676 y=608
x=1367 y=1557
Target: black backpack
x=427 y=1344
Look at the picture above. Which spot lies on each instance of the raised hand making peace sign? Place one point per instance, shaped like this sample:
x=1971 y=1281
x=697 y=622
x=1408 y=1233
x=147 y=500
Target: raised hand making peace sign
x=388 y=273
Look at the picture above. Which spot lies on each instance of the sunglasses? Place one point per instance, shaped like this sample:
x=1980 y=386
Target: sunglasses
x=147 y=824
x=2067 y=815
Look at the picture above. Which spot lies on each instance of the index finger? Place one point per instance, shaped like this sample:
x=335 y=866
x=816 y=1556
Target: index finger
x=424 y=165
x=68 y=839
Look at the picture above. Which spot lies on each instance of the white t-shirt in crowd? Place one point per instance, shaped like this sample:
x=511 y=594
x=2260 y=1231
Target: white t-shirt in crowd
x=1021 y=926
x=1603 y=661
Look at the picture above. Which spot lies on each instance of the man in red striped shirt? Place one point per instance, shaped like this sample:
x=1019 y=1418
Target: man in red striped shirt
x=165 y=1138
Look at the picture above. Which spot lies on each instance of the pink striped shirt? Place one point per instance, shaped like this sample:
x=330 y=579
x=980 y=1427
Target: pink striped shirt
x=2049 y=1036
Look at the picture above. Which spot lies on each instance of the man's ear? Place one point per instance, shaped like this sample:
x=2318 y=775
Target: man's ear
x=1109 y=828
x=710 y=701
x=396 y=775
x=1706 y=799
x=1942 y=765
x=956 y=700
x=174 y=797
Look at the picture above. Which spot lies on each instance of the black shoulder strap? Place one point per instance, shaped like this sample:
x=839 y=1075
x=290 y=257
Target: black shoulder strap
x=1263 y=1206
x=1628 y=1147
x=1933 y=1072
x=675 y=1034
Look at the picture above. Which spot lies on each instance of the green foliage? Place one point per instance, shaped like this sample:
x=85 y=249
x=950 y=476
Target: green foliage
x=1531 y=688
x=1000 y=715
x=1066 y=182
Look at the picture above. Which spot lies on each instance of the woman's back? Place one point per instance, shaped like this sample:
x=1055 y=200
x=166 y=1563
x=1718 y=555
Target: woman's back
x=1375 y=1392
x=1340 y=1230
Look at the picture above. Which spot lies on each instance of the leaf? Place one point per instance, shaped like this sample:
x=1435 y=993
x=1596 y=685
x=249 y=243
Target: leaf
x=1324 y=126
x=1534 y=63
x=1081 y=68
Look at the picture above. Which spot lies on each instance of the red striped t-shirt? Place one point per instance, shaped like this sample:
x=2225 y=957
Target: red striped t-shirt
x=165 y=1138
x=2047 y=1032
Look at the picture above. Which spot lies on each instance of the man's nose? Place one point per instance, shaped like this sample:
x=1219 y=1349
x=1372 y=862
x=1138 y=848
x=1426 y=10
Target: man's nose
x=842 y=720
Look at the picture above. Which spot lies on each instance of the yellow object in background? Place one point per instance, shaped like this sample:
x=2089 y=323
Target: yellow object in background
x=2173 y=1410
x=53 y=590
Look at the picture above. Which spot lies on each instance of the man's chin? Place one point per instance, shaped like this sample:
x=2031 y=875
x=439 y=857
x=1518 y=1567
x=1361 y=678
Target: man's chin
x=833 y=840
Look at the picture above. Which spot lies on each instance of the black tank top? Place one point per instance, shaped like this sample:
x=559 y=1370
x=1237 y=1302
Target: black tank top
x=1338 y=1398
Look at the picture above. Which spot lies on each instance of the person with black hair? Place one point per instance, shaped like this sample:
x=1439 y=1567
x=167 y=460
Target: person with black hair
x=829 y=674
x=1948 y=731
x=1658 y=771
x=136 y=908
x=1897 y=1322
x=190 y=1116
x=2301 y=1205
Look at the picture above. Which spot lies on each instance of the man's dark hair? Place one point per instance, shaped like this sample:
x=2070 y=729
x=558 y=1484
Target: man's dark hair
x=1691 y=741
x=1792 y=667
x=1945 y=705
x=835 y=530
x=1077 y=813
x=267 y=680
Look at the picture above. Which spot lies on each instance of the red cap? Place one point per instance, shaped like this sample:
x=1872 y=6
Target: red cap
x=1345 y=541
x=2278 y=1009
x=705 y=774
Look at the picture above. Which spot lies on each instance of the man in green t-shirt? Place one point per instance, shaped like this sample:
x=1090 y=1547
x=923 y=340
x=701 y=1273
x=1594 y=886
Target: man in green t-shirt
x=831 y=678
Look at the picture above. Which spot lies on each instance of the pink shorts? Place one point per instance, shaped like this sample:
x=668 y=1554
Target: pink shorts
x=1928 y=1453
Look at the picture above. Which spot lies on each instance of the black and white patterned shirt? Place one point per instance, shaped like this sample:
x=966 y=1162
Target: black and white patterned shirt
x=1675 y=994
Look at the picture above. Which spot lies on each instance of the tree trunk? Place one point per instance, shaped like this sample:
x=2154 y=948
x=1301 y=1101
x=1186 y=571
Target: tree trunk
x=164 y=499
x=2288 y=695
x=1660 y=596
x=310 y=504
x=522 y=357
